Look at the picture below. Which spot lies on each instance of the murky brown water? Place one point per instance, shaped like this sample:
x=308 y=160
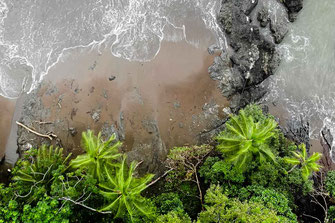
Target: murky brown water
x=7 y=107
x=170 y=91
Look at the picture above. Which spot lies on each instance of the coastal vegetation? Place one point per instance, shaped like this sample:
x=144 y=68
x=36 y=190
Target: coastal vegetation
x=250 y=173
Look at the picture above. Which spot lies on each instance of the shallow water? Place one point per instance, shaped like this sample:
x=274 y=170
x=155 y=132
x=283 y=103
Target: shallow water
x=34 y=35
x=304 y=84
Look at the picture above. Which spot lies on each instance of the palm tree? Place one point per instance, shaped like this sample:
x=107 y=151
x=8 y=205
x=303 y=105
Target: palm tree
x=39 y=169
x=124 y=191
x=308 y=164
x=243 y=140
x=99 y=154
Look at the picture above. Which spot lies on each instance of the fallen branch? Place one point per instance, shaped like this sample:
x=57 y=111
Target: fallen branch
x=85 y=206
x=153 y=182
x=43 y=123
x=49 y=136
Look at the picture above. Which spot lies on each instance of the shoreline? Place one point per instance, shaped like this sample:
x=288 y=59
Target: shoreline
x=151 y=106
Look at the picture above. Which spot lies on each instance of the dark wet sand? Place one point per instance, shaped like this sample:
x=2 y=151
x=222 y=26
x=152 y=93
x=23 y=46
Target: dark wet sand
x=7 y=107
x=170 y=91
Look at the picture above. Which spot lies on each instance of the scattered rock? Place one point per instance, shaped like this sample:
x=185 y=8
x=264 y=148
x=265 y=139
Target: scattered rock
x=293 y=6
x=263 y=17
x=176 y=104
x=214 y=49
x=92 y=89
x=96 y=115
x=73 y=131
x=111 y=78
x=108 y=130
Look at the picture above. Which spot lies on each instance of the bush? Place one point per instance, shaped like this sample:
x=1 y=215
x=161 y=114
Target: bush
x=168 y=202
x=174 y=217
x=330 y=182
x=46 y=210
x=214 y=170
x=270 y=198
x=221 y=209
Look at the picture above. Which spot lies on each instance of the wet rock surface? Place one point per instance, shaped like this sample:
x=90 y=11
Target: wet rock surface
x=294 y=7
x=253 y=29
x=298 y=132
x=327 y=141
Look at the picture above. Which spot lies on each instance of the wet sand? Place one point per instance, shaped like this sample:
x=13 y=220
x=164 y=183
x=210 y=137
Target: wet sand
x=164 y=99
x=6 y=115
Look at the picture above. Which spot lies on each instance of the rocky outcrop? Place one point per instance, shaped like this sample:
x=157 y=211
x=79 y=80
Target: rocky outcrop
x=252 y=30
x=293 y=6
x=327 y=141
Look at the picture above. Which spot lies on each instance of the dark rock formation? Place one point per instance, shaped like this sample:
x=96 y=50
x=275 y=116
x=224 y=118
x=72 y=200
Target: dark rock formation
x=251 y=56
x=293 y=6
x=298 y=132
x=328 y=152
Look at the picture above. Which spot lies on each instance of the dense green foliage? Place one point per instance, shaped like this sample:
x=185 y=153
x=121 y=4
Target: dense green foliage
x=45 y=189
x=253 y=174
x=270 y=198
x=330 y=183
x=221 y=209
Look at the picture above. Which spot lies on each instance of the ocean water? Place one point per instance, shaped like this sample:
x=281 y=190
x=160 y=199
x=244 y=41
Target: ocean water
x=304 y=84
x=35 y=34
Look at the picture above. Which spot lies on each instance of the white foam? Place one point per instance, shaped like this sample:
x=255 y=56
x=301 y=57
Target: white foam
x=41 y=32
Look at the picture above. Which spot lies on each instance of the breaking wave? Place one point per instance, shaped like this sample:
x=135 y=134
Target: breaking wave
x=34 y=34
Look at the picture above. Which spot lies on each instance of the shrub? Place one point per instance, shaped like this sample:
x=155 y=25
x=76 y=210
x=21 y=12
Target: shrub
x=330 y=182
x=46 y=210
x=214 y=170
x=176 y=216
x=168 y=202
x=270 y=198
x=221 y=209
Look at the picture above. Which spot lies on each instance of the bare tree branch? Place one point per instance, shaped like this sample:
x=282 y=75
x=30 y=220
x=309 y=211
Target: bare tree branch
x=49 y=135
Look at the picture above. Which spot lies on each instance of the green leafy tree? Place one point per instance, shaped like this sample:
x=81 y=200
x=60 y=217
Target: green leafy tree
x=99 y=154
x=221 y=209
x=123 y=191
x=186 y=162
x=270 y=198
x=308 y=164
x=176 y=216
x=244 y=139
x=330 y=183
x=168 y=202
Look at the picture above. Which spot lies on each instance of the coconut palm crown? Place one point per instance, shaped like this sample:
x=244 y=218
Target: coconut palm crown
x=123 y=190
x=99 y=154
x=43 y=162
x=244 y=140
x=308 y=164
